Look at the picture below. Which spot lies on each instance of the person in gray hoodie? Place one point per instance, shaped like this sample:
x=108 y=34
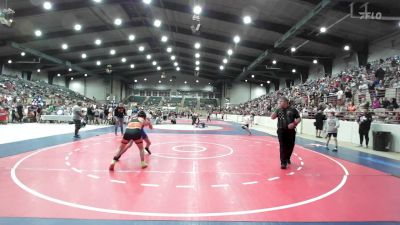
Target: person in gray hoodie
x=332 y=125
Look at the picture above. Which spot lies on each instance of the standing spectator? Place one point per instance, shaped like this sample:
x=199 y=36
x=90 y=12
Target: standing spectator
x=332 y=125
x=90 y=115
x=380 y=73
x=119 y=114
x=364 y=121
x=20 y=114
x=288 y=119
x=319 y=123
x=76 y=117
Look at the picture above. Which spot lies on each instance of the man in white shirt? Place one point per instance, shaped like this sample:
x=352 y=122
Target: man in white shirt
x=247 y=122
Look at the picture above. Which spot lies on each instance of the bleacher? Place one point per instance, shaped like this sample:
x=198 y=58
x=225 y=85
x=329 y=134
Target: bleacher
x=153 y=101
x=190 y=102
x=172 y=101
x=136 y=99
x=204 y=102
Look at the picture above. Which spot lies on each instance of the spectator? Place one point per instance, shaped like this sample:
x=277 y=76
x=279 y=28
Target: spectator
x=364 y=120
x=376 y=103
x=319 y=123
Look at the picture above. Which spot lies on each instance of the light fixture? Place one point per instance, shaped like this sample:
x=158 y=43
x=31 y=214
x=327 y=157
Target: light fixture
x=131 y=37
x=159 y=81
x=58 y=74
x=157 y=23
x=185 y=82
x=221 y=67
x=261 y=85
x=293 y=70
x=123 y=60
x=64 y=46
x=47 y=5
x=197 y=45
x=9 y=61
x=209 y=83
x=170 y=80
x=178 y=68
x=154 y=63
x=145 y=79
x=98 y=62
x=245 y=80
x=246 y=19
x=169 y=49
x=97 y=1
x=141 y=48
x=148 y=57
x=97 y=42
x=118 y=22
x=147 y=1
x=225 y=61
x=197 y=81
x=112 y=52
x=164 y=38
x=22 y=53
x=85 y=75
x=236 y=39
x=252 y=76
x=346 y=48
x=72 y=78
x=230 y=51
x=135 y=81
x=173 y=57
x=158 y=67
x=197 y=68
x=70 y=70
x=38 y=33
x=268 y=82
x=315 y=61
x=197 y=62
x=197 y=55
x=322 y=29
x=132 y=66
x=175 y=64
x=197 y=9
x=293 y=49
x=77 y=27
x=38 y=70
x=274 y=62
x=84 y=56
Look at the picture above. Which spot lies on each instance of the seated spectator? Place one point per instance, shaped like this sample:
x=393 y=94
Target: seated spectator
x=385 y=103
x=376 y=103
x=351 y=107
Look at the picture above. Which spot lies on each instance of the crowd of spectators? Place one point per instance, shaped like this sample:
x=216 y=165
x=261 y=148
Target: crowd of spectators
x=348 y=91
x=25 y=101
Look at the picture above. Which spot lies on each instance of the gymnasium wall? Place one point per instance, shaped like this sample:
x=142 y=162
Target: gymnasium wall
x=384 y=47
x=316 y=71
x=178 y=83
x=241 y=92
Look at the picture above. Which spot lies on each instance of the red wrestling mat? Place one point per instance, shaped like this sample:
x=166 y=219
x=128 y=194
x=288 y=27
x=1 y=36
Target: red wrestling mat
x=194 y=177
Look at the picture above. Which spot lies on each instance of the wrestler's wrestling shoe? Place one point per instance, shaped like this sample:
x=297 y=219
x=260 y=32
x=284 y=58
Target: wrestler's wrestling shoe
x=148 y=150
x=112 y=165
x=143 y=164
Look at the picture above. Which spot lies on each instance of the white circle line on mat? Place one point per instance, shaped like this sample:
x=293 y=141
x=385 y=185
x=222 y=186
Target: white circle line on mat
x=18 y=182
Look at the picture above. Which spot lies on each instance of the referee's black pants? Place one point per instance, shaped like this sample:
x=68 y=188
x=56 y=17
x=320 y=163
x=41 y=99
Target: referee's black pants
x=286 y=138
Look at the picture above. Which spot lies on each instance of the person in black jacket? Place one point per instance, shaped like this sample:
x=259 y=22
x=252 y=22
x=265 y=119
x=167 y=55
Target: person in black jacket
x=319 y=123
x=364 y=120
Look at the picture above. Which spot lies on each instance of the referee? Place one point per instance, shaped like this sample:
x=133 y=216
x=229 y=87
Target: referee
x=288 y=119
